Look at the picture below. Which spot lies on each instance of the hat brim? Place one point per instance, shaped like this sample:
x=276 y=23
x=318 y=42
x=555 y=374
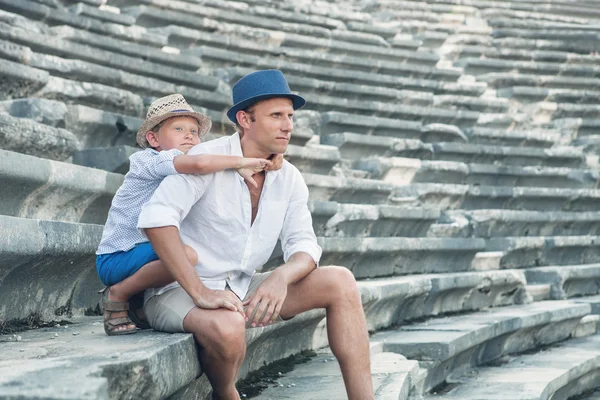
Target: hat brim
x=297 y=102
x=204 y=124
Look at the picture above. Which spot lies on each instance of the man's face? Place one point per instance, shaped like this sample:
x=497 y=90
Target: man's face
x=176 y=133
x=273 y=124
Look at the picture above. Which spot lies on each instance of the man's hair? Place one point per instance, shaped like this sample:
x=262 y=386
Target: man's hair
x=249 y=110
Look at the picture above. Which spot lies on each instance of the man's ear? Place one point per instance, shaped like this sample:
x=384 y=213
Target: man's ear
x=151 y=138
x=243 y=119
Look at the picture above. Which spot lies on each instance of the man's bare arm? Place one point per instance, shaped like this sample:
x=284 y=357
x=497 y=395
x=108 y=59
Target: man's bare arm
x=271 y=294
x=167 y=244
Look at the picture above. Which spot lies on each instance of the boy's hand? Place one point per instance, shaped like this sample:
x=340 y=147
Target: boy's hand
x=276 y=163
x=250 y=166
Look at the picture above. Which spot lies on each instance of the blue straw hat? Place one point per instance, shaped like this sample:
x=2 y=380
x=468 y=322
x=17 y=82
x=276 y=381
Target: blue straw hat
x=261 y=85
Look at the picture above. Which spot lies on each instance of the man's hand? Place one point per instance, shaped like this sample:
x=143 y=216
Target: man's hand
x=213 y=299
x=250 y=166
x=267 y=301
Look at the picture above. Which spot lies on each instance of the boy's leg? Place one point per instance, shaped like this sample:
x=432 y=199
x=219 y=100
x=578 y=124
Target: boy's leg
x=151 y=275
x=334 y=288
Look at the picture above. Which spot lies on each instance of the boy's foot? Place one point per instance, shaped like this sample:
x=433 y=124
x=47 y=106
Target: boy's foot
x=136 y=311
x=116 y=321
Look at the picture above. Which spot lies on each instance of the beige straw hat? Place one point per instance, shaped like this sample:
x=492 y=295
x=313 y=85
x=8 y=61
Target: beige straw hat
x=173 y=105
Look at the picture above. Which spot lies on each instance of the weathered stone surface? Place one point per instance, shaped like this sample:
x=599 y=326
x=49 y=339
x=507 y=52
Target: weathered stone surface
x=30 y=137
x=30 y=249
x=379 y=257
x=495 y=197
x=568 y=280
x=453 y=345
x=317 y=159
x=529 y=138
x=50 y=190
x=403 y=171
x=347 y=190
x=493 y=223
x=559 y=372
x=354 y=220
x=501 y=80
x=525 y=252
x=533 y=94
x=20 y=80
x=111 y=159
x=483 y=66
x=102 y=15
x=321 y=379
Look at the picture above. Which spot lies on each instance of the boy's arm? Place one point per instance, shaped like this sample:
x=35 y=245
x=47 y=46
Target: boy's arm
x=209 y=163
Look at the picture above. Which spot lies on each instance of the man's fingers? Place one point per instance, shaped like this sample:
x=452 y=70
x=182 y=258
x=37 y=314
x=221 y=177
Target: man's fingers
x=260 y=311
x=227 y=304
x=266 y=318
x=276 y=313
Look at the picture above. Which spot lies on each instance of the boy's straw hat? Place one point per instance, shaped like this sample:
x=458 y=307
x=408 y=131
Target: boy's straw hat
x=173 y=105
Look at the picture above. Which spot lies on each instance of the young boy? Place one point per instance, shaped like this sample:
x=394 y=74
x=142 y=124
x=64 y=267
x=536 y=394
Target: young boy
x=126 y=262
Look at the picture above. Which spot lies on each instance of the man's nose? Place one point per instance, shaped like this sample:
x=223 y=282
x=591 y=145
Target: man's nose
x=288 y=125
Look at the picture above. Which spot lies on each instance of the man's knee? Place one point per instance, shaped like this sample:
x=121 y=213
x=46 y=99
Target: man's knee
x=341 y=283
x=227 y=336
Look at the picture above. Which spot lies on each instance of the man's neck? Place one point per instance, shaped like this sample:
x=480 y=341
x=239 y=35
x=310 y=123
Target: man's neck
x=250 y=149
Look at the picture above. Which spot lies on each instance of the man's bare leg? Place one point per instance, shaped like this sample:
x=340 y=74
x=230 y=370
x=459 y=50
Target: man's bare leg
x=221 y=335
x=334 y=288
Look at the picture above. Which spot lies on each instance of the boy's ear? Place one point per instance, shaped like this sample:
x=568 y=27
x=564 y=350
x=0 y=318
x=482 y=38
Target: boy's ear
x=151 y=138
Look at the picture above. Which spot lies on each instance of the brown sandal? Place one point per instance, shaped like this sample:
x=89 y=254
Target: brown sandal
x=111 y=324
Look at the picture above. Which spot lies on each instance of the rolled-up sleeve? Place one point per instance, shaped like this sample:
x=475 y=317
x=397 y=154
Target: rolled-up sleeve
x=172 y=201
x=297 y=234
x=152 y=165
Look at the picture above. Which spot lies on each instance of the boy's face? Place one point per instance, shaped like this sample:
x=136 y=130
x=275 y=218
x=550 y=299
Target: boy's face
x=176 y=133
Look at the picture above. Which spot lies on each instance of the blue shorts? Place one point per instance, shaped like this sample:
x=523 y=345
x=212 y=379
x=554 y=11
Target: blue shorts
x=114 y=267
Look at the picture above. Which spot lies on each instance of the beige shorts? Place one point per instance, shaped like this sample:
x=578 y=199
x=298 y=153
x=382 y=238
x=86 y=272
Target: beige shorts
x=167 y=311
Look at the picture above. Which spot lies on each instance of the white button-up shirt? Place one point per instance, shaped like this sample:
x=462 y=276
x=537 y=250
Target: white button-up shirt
x=213 y=213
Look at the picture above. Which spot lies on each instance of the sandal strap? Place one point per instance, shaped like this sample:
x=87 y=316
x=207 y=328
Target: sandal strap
x=115 y=322
x=115 y=306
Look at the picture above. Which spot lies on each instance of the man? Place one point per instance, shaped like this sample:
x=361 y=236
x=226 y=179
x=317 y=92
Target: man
x=234 y=227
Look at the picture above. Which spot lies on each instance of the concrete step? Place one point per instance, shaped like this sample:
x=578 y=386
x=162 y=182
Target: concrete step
x=461 y=51
x=403 y=171
x=56 y=16
x=450 y=347
x=579 y=127
x=101 y=14
x=321 y=379
x=334 y=219
x=538 y=292
x=567 y=281
x=466 y=197
x=43 y=189
x=355 y=146
x=426 y=123
x=29 y=82
x=380 y=257
x=498 y=223
x=501 y=80
x=529 y=252
x=562 y=371
x=567 y=45
x=476 y=66
x=536 y=94
x=82 y=353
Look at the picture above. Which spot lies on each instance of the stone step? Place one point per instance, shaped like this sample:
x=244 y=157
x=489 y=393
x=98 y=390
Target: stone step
x=101 y=14
x=578 y=127
x=485 y=51
x=198 y=89
x=29 y=82
x=477 y=66
x=321 y=379
x=500 y=223
x=354 y=146
x=30 y=137
x=450 y=347
x=501 y=80
x=453 y=196
x=347 y=190
x=562 y=371
x=386 y=302
x=582 y=36
x=530 y=137
x=567 y=281
x=428 y=124
x=55 y=16
x=381 y=257
x=538 y=292
x=50 y=190
x=288 y=35
x=528 y=252
x=403 y=171
x=334 y=219
x=572 y=46
x=536 y=94
x=421 y=6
